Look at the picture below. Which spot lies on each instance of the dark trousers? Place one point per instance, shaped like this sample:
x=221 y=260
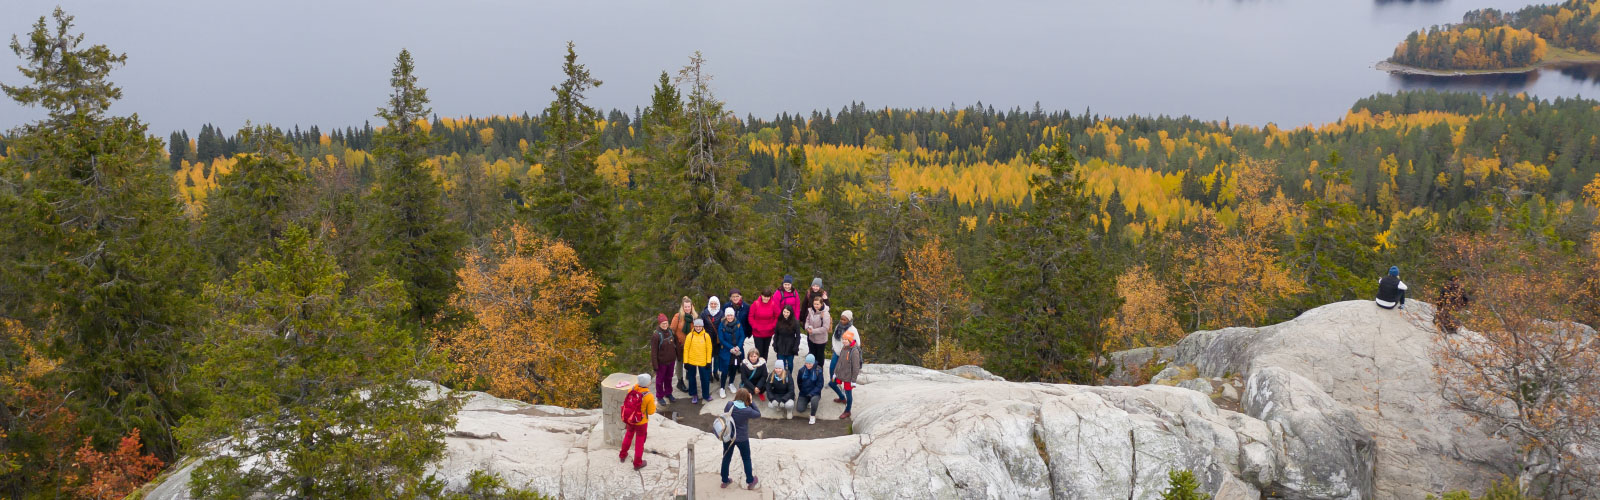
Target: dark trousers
x=664 y=380
x=744 y=454
x=820 y=351
x=640 y=431
x=814 y=401
x=702 y=375
x=762 y=343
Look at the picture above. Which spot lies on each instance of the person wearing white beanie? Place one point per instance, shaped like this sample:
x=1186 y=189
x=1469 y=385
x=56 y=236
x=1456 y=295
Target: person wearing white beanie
x=730 y=349
x=639 y=426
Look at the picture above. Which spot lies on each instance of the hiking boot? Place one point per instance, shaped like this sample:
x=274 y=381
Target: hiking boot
x=726 y=483
x=838 y=400
x=623 y=457
x=844 y=416
x=639 y=465
x=753 y=482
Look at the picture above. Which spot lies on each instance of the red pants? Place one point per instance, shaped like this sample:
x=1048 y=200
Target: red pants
x=641 y=430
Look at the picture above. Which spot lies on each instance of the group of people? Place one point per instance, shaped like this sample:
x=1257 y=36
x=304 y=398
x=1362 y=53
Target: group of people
x=750 y=349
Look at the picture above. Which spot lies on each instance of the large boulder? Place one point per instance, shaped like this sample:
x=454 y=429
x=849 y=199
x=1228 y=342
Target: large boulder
x=1337 y=404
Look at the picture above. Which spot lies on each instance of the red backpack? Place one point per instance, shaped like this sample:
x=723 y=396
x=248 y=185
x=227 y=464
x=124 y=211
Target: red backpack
x=633 y=408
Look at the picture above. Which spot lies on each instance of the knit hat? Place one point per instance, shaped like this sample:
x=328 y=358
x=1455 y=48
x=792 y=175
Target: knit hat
x=734 y=292
x=811 y=359
x=788 y=279
x=816 y=282
x=644 y=380
x=699 y=322
x=850 y=335
x=713 y=300
x=660 y=318
x=1394 y=270
x=849 y=316
x=728 y=313
x=777 y=364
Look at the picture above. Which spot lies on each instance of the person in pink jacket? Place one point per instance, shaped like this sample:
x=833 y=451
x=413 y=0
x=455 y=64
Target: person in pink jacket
x=788 y=297
x=764 y=320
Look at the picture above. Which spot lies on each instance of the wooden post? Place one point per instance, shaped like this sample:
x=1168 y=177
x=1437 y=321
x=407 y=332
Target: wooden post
x=690 y=466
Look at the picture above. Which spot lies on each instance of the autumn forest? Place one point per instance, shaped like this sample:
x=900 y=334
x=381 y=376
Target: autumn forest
x=160 y=291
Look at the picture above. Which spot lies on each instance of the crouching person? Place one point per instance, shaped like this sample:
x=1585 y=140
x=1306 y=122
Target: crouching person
x=780 y=389
x=810 y=380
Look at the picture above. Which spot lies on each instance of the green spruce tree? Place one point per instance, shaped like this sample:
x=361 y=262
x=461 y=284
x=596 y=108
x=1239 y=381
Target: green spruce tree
x=414 y=242
x=256 y=202
x=1047 y=289
x=1334 y=247
x=310 y=385
x=570 y=201
x=97 y=248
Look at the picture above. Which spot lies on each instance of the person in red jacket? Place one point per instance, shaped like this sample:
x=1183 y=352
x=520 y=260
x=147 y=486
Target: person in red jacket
x=788 y=297
x=764 y=320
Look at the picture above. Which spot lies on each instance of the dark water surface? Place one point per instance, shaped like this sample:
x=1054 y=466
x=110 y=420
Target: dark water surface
x=1291 y=62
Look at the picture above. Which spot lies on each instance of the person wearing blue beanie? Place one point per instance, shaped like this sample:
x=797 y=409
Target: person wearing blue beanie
x=810 y=380
x=1392 y=291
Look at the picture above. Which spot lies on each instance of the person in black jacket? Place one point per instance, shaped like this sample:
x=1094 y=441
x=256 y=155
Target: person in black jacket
x=780 y=389
x=786 y=338
x=1392 y=291
x=742 y=410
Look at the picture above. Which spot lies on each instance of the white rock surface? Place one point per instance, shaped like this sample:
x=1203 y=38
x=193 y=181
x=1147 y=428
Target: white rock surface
x=1337 y=404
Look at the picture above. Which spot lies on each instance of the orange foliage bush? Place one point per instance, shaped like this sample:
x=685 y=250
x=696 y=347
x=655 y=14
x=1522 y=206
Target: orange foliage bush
x=529 y=338
x=113 y=475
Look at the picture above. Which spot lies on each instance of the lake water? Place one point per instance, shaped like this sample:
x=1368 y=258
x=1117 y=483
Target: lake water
x=1291 y=62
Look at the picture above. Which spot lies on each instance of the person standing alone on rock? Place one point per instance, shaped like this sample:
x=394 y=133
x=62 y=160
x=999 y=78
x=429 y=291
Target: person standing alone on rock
x=742 y=410
x=697 y=350
x=810 y=380
x=1392 y=291
x=664 y=352
x=637 y=407
x=844 y=376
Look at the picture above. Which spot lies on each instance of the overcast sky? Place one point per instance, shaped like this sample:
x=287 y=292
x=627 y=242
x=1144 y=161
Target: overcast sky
x=326 y=62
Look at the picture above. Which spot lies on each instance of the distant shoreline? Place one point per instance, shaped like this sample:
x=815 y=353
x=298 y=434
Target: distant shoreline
x=1556 y=59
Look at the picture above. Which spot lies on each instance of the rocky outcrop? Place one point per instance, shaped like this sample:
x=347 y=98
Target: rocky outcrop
x=1337 y=404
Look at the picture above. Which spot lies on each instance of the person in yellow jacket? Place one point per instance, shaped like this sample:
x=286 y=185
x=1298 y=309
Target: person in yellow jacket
x=697 y=347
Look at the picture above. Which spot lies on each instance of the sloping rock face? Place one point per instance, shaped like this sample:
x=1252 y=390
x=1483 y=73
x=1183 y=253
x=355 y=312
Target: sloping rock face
x=1354 y=374
x=1337 y=404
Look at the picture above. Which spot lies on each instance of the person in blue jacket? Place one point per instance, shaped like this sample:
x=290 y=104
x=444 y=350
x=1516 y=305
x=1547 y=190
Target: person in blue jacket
x=730 y=341
x=810 y=380
x=742 y=411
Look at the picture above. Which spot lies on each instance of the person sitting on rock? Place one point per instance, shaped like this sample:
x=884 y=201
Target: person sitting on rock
x=780 y=389
x=810 y=380
x=1392 y=291
x=742 y=410
x=753 y=374
x=844 y=376
x=641 y=426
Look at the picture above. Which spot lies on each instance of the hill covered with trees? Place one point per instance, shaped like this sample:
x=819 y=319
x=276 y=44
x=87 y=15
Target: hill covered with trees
x=1490 y=39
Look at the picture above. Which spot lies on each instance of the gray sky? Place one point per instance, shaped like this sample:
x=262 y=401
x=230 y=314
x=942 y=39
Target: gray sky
x=326 y=62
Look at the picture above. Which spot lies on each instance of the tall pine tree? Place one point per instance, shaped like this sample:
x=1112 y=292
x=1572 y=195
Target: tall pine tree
x=1047 y=289
x=570 y=201
x=415 y=244
x=97 y=250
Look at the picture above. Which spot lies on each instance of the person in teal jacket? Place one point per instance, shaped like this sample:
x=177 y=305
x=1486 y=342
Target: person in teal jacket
x=730 y=340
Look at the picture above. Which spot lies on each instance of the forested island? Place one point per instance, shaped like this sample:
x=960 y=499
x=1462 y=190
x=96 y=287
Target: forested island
x=162 y=294
x=1493 y=41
